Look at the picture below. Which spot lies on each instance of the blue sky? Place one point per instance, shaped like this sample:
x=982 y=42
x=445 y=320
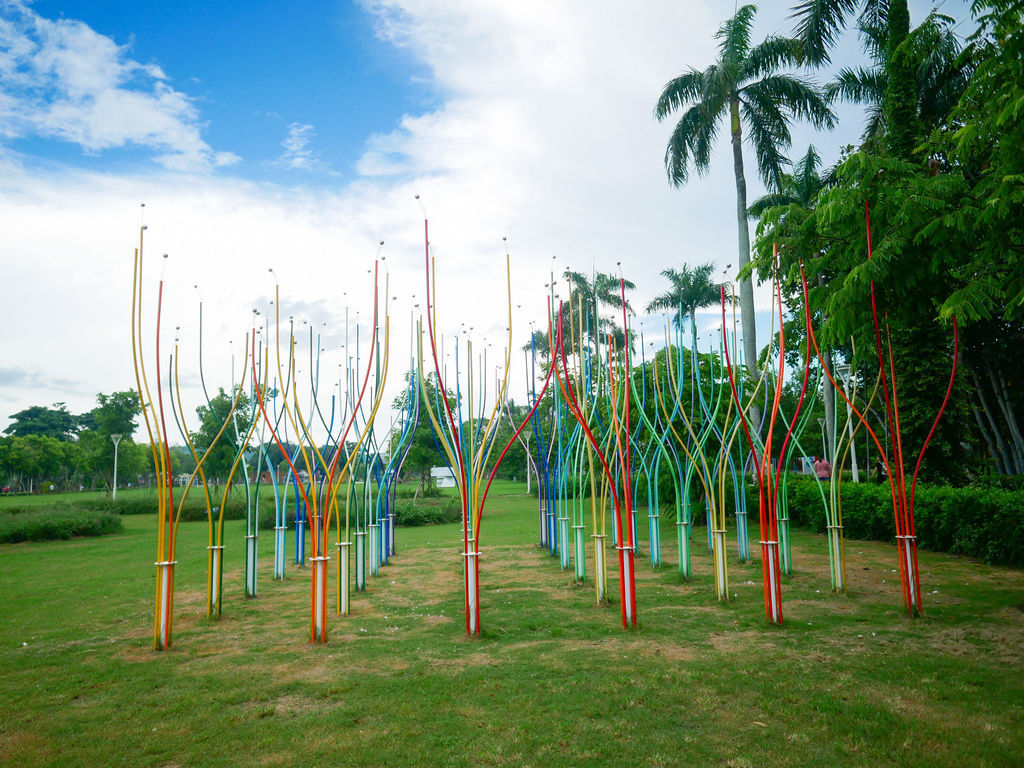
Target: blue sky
x=259 y=73
x=262 y=136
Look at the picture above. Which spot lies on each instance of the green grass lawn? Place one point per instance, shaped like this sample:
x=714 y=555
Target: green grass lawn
x=552 y=681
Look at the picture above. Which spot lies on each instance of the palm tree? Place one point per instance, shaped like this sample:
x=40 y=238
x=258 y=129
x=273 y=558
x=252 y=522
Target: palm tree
x=601 y=289
x=539 y=344
x=745 y=86
x=692 y=288
x=799 y=189
x=941 y=74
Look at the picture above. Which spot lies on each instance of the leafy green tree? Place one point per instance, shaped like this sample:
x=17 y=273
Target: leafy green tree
x=57 y=422
x=424 y=453
x=211 y=419
x=29 y=460
x=745 y=87
x=116 y=413
x=986 y=149
x=984 y=156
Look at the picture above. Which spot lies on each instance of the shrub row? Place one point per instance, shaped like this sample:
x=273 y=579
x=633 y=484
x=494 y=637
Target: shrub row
x=194 y=509
x=57 y=522
x=987 y=523
x=427 y=512
x=95 y=517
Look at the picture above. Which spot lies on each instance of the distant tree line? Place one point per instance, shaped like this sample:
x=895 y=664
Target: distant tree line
x=46 y=446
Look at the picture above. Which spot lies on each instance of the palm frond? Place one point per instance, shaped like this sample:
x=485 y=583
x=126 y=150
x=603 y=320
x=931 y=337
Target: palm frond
x=735 y=34
x=874 y=125
x=944 y=73
x=818 y=25
x=678 y=93
x=858 y=86
x=874 y=15
x=772 y=200
x=806 y=179
x=769 y=135
x=768 y=56
x=690 y=144
x=800 y=97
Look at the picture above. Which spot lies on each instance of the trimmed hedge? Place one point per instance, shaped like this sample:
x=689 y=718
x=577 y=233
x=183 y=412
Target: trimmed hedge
x=987 y=523
x=194 y=509
x=57 y=522
x=408 y=513
x=427 y=512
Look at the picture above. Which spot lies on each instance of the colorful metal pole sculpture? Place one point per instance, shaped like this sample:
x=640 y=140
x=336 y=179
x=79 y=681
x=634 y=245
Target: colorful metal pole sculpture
x=892 y=454
x=587 y=371
x=700 y=463
x=542 y=445
x=693 y=448
x=731 y=435
x=799 y=427
x=524 y=439
x=468 y=458
x=240 y=461
x=837 y=551
x=320 y=500
x=579 y=450
x=624 y=546
x=215 y=549
x=768 y=484
x=399 y=450
x=646 y=457
x=683 y=521
x=153 y=415
x=834 y=504
x=280 y=502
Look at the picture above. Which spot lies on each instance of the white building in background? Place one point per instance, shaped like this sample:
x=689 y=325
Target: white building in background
x=443 y=477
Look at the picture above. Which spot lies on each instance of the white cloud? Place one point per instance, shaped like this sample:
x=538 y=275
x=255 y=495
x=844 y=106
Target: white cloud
x=62 y=80
x=297 y=155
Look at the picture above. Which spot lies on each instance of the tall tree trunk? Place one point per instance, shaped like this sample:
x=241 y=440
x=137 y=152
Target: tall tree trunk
x=746 y=285
x=997 y=435
x=899 y=102
x=1006 y=408
x=997 y=462
x=828 y=394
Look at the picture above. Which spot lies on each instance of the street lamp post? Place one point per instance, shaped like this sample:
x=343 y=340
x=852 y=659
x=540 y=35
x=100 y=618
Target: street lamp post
x=844 y=372
x=117 y=439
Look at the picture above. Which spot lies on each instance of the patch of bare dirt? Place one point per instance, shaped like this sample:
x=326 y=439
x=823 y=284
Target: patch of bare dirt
x=736 y=642
x=284 y=706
